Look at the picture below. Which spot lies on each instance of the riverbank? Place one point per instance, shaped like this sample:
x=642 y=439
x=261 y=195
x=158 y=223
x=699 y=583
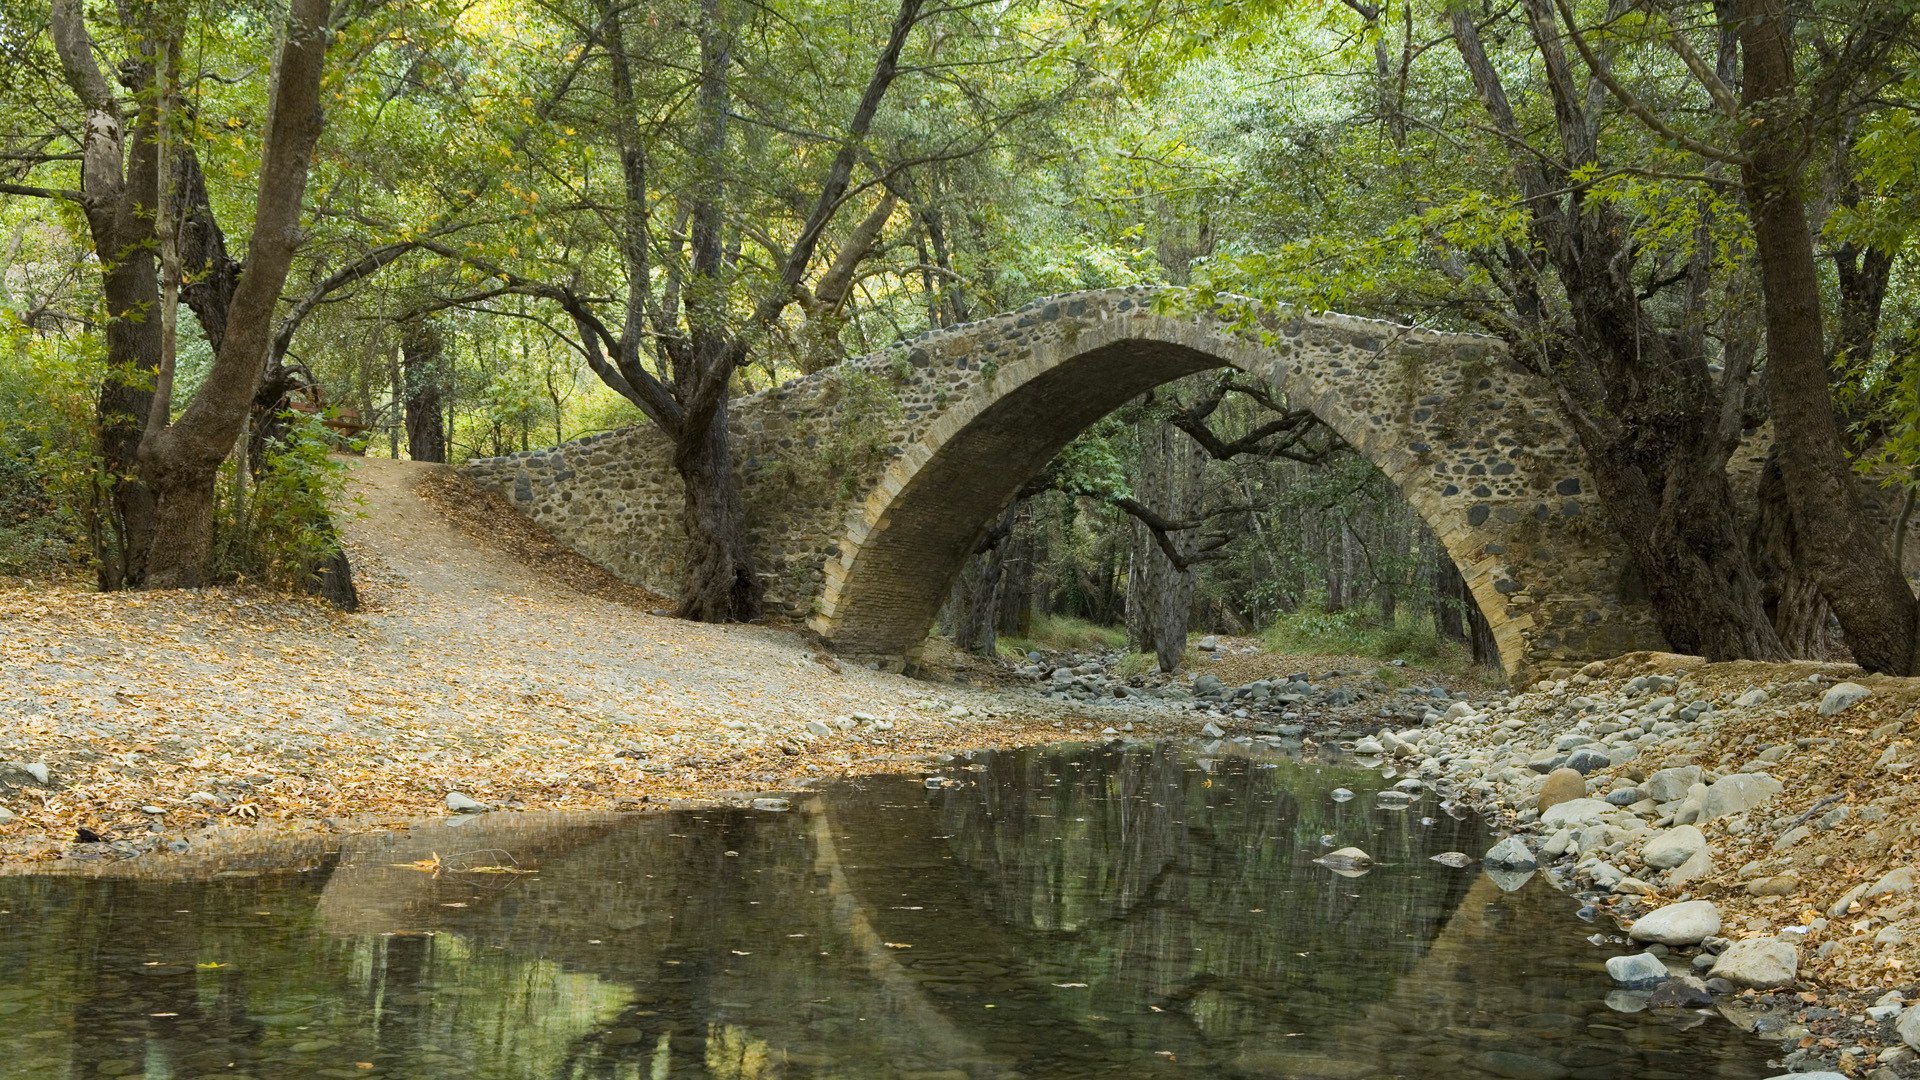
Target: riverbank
x=1752 y=828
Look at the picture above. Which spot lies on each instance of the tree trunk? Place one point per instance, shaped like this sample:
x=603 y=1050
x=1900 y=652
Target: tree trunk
x=721 y=585
x=180 y=462
x=423 y=368
x=1846 y=553
x=1774 y=546
x=1159 y=601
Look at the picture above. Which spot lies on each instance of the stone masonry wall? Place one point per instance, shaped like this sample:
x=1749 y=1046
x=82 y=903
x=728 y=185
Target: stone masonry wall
x=867 y=483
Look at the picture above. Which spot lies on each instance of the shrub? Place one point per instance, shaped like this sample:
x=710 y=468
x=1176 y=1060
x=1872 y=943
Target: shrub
x=280 y=531
x=50 y=476
x=1361 y=632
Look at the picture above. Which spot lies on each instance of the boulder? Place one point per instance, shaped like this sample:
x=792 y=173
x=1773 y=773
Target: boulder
x=1735 y=794
x=1637 y=971
x=1759 y=963
x=1843 y=696
x=1892 y=883
x=1909 y=1026
x=1668 y=849
x=1577 y=812
x=1511 y=854
x=1697 y=866
x=1563 y=785
x=1667 y=785
x=1688 y=922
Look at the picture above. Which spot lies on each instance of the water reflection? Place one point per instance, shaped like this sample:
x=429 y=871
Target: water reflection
x=1055 y=913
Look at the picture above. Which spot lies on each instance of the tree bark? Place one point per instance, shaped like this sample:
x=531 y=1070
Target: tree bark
x=1159 y=600
x=721 y=585
x=423 y=371
x=1846 y=551
x=181 y=462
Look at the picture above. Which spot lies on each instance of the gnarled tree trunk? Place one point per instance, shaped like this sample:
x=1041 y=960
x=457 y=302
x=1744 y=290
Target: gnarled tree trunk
x=721 y=585
x=423 y=369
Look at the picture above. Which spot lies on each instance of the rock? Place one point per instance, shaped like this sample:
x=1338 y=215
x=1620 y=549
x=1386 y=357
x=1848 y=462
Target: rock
x=1909 y=1027
x=1847 y=900
x=777 y=805
x=1369 y=746
x=1681 y=992
x=1893 y=882
x=1733 y=794
x=1778 y=885
x=1759 y=963
x=1670 y=784
x=1748 y=700
x=818 y=729
x=1697 y=866
x=1340 y=794
x=1209 y=686
x=1625 y=796
x=1637 y=971
x=1791 y=837
x=1586 y=759
x=1688 y=922
x=6 y=815
x=1669 y=849
x=1843 y=696
x=1209 y=644
x=37 y=770
x=1577 y=812
x=1563 y=785
x=1455 y=859
x=1511 y=854
x=1347 y=858
x=460 y=804
x=1213 y=731
x=1508 y=880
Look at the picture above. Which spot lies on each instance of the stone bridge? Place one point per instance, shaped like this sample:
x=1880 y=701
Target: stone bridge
x=868 y=484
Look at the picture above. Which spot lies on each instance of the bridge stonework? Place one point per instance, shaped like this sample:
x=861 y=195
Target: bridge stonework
x=868 y=484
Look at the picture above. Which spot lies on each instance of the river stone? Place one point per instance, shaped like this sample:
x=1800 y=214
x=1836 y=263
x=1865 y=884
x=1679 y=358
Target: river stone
x=6 y=815
x=1455 y=859
x=1347 y=858
x=1909 y=1026
x=38 y=770
x=1667 y=785
x=1673 y=847
x=1586 y=759
x=1752 y=697
x=1577 y=812
x=1562 y=786
x=1843 y=696
x=818 y=729
x=1208 y=685
x=1340 y=794
x=1213 y=730
x=1681 y=992
x=1697 y=866
x=1688 y=922
x=1637 y=971
x=460 y=804
x=1893 y=882
x=1511 y=854
x=1759 y=963
x=1369 y=746
x=1733 y=794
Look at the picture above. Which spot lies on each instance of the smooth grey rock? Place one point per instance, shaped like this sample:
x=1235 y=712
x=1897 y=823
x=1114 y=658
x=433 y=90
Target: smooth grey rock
x=1369 y=746
x=1637 y=971
x=1340 y=794
x=1667 y=785
x=1577 y=812
x=1733 y=794
x=6 y=815
x=1669 y=849
x=777 y=805
x=1455 y=859
x=1208 y=686
x=1688 y=922
x=1843 y=696
x=1748 y=700
x=1759 y=963
x=1511 y=854
x=1892 y=883
x=38 y=770
x=1213 y=731
x=1625 y=796
x=1347 y=858
x=1209 y=643
x=1697 y=866
x=461 y=804
x=1586 y=760
x=1909 y=1027
x=1681 y=992
x=818 y=729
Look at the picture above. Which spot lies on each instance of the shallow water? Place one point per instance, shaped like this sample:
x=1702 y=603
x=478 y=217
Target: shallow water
x=1064 y=912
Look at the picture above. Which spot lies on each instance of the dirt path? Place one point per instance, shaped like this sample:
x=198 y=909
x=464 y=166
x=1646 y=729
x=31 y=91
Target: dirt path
x=161 y=715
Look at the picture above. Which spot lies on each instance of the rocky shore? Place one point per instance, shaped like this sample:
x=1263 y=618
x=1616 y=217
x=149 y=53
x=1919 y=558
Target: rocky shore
x=1751 y=829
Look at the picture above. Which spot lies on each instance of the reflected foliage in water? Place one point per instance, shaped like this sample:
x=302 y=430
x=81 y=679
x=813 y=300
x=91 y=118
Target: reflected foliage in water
x=1067 y=912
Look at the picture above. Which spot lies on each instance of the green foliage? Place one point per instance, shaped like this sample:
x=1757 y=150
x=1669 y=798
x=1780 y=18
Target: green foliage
x=1063 y=633
x=281 y=530
x=49 y=473
x=1361 y=632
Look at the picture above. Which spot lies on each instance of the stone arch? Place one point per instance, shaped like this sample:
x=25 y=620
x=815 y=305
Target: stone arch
x=1472 y=442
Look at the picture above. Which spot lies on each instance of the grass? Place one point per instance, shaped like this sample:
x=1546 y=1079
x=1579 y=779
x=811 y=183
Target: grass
x=1061 y=633
x=1361 y=633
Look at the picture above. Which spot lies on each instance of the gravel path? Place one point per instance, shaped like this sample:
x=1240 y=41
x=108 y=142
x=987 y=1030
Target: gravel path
x=161 y=717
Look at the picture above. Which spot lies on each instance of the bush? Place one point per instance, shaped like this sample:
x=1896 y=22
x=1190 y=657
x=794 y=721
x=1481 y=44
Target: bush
x=1361 y=632
x=50 y=476
x=1064 y=633
x=281 y=532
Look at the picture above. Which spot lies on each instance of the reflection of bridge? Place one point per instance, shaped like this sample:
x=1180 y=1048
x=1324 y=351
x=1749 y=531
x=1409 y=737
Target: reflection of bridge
x=931 y=439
